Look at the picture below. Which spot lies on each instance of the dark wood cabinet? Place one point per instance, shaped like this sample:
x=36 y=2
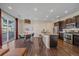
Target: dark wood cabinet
x=61 y=36
x=61 y=25
x=77 y=21
x=70 y=20
x=73 y=20
x=53 y=41
x=56 y=24
x=67 y=21
x=66 y=24
x=76 y=40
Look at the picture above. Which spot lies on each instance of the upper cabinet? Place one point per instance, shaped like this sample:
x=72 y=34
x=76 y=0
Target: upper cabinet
x=56 y=24
x=61 y=25
x=68 y=23
x=70 y=20
x=77 y=21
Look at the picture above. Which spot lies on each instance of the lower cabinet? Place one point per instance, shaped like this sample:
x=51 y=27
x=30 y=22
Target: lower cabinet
x=76 y=40
x=61 y=36
x=77 y=25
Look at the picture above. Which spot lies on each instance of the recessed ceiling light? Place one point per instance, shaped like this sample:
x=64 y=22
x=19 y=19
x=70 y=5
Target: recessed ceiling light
x=9 y=7
x=47 y=16
x=35 y=9
x=51 y=10
x=66 y=12
x=57 y=16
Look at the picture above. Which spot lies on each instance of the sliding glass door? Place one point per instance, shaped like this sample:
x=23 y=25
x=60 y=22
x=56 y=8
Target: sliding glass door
x=11 y=26
x=4 y=30
x=8 y=28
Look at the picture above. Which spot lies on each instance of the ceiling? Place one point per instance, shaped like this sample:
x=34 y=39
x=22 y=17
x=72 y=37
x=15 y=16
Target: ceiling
x=40 y=11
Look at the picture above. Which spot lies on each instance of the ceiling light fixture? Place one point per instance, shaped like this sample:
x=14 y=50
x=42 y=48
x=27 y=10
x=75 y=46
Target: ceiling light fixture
x=35 y=9
x=51 y=10
x=57 y=16
x=9 y=7
x=47 y=16
x=66 y=12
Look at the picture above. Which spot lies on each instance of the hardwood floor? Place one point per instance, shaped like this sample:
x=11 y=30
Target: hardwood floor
x=37 y=48
x=63 y=49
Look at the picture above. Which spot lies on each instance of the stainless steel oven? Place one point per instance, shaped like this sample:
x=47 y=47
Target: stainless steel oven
x=68 y=38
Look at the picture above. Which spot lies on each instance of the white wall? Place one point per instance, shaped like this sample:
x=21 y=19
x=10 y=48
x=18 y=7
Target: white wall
x=20 y=26
x=38 y=26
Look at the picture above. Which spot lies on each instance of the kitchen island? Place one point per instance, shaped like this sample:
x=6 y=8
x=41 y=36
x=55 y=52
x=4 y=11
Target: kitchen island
x=50 y=40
